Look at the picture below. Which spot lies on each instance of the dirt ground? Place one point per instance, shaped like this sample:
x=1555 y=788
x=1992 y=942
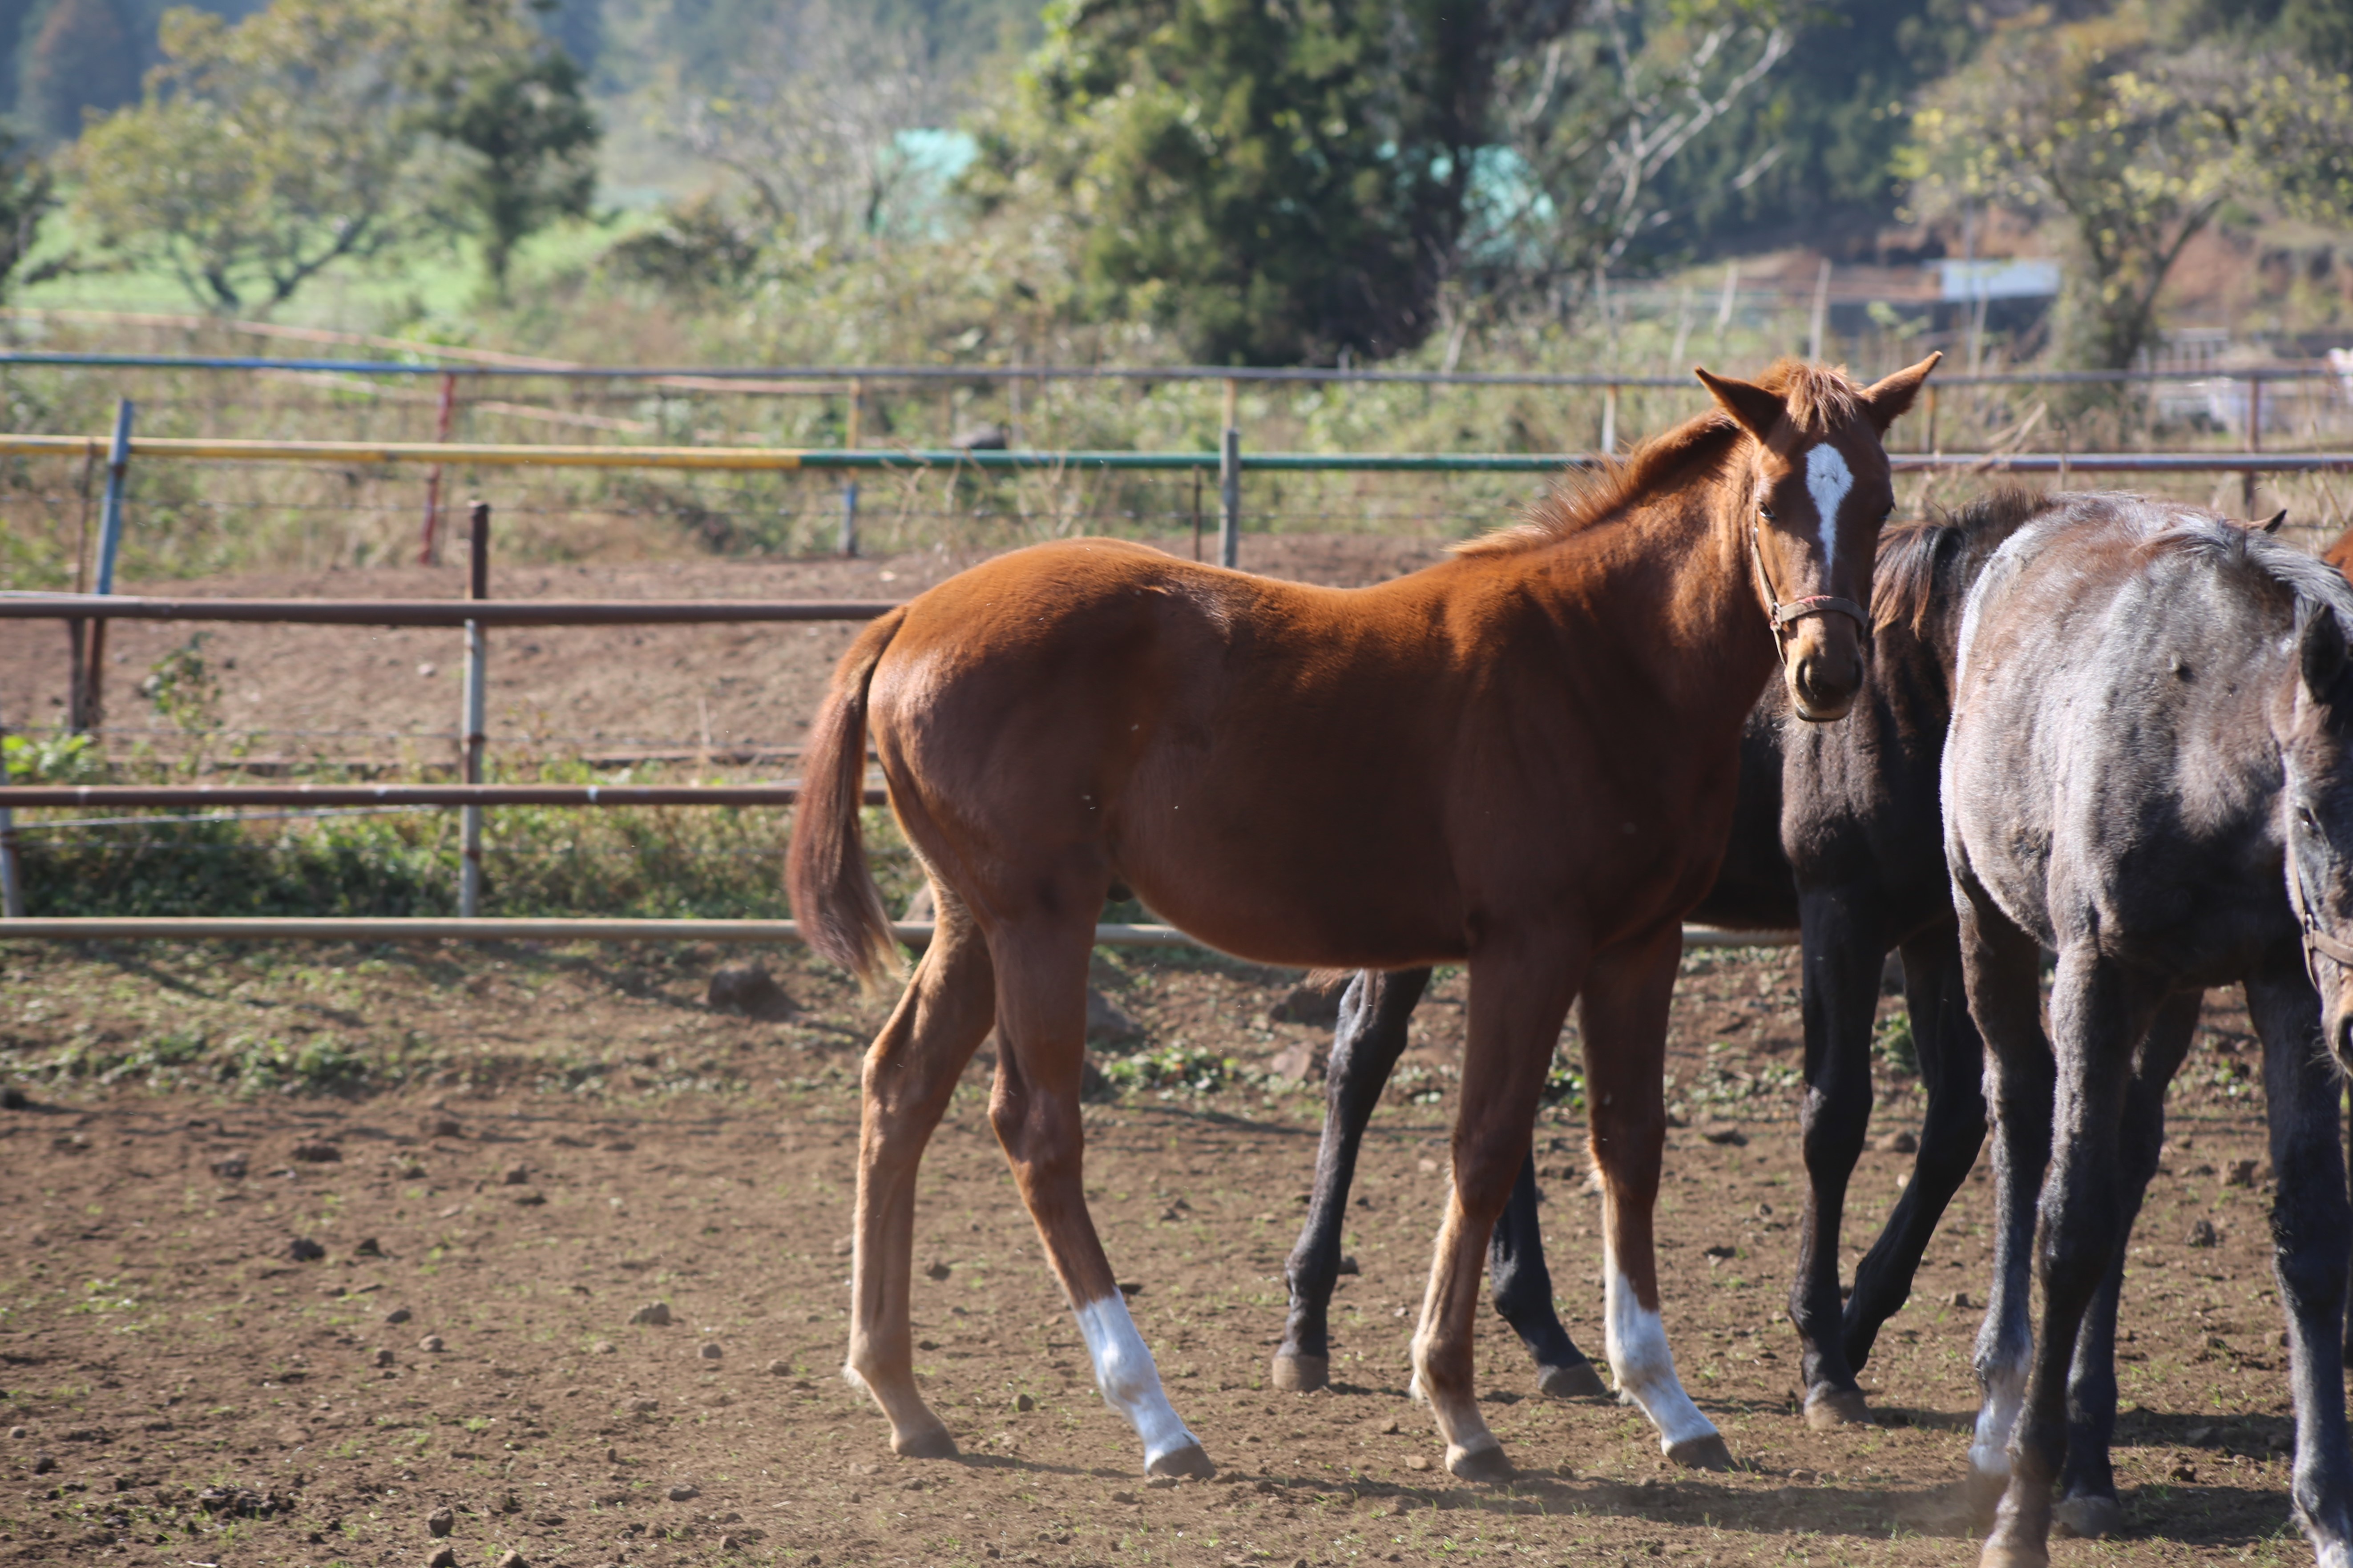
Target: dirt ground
x=254 y=1325
x=565 y=1138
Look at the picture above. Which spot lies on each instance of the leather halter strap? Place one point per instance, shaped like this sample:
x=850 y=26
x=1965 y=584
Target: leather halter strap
x=2328 y=947
x=1796 y=610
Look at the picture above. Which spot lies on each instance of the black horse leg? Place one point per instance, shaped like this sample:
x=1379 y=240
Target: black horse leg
x=1952 y=1069
x=1522 y=1294
x=2310 y=1222
x=2087 y=1504
x=1843 y=957
x=1371 y=1036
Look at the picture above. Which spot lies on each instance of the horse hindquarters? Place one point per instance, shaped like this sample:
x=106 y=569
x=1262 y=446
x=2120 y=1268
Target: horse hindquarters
x=2310 y=1220
x=1366 y=1044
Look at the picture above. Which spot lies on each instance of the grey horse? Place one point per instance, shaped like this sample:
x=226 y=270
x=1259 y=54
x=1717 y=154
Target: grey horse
x=2150 y=773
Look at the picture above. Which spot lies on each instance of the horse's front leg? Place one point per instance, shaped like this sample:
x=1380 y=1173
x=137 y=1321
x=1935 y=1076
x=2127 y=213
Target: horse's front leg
x=2003 y=967
x=2310 y=1221
x=1844 y=951
x=1952 y=1068
x=1521 y=985
x=2099 y=1013
x=1371 y=1036
x=1623 y=1016
x=2087 y=1503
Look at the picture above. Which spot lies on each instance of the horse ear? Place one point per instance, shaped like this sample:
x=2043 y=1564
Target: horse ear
x=1757 y=410
x=2320 y=654
x=1887 y=400
x=2272 y=524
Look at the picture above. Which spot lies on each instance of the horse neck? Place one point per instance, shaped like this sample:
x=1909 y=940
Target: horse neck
x=1671 y=577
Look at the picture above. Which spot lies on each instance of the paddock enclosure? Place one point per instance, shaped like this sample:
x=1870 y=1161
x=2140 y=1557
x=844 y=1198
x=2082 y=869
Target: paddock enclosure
x=508 y=1150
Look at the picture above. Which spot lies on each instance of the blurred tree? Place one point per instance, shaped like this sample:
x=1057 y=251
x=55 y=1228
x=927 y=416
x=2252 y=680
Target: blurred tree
x=80 y=57
x=1277 y=184
x=27 y=195
x=808 y=118
x=261 y=153
x=509 y=96
x=2133 y=144
x=321 y=130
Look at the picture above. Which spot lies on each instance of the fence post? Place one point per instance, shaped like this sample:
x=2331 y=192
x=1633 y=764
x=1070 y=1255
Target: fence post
x=110 y=545
x=1230 y=479
x=849 y=518
x=1609 y=420
x=12 y=887
x=2254 y=443
x=470 y=886
x=429 y=555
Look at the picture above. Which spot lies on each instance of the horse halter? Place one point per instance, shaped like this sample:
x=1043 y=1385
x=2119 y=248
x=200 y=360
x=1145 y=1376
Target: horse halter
x=2315 y=939
x=1786 y=613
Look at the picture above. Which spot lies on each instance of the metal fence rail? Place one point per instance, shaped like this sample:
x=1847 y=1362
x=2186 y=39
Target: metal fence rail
x=437 y=612
x=92 y=796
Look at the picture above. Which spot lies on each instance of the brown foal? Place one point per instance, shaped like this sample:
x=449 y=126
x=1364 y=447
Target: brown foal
x=1522 y=759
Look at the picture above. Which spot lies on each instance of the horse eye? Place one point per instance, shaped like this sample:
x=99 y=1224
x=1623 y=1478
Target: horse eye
x=2303 y=818
x=1763 y=511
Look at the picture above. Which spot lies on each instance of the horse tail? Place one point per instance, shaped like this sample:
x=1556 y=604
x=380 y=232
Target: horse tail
x=833 y=892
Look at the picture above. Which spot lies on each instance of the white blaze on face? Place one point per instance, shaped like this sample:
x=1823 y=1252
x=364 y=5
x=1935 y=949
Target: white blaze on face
x=1130 y=1383
x=1827 y=479
x=1645 y=1367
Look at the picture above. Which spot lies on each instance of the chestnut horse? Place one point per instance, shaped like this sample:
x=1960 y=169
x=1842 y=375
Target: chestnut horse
x=1540 y=734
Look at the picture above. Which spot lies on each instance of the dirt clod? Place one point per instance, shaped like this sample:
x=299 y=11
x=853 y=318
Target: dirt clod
x=303 y=1249
x=398 y=1315
x=1897 y=1143
x=684 y=1493
x=443 y=1127
x=780 y=1369
x=431 y=1344
x=513 y=1558
x=13 y=1099
x=1024 y=1404
x=710 y=1352
x=232 y=1169
x=385 y=1357
x=2203 y=1233
x=749 y=989
x=653 y=1314
x=369 y=1247
x=317 y=1153
x=517 y=1175
x=935 y=1269
x=1106 y=1023
x=1728 y=1137
x=1317 y=1006
x=440 y=1523
x=447 y=1557
x=2241 y=1173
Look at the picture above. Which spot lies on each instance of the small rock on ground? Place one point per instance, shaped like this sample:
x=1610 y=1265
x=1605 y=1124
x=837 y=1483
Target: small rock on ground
x=654 y=1314
x=513 y=1560
x=780 y=1369
x=710 y=1352
x=685 y=1494
x=445 y=1557
x=397 y=1315
x=303 y=1249
x=750 y=990
x=430 y=1343
x=937 y=1270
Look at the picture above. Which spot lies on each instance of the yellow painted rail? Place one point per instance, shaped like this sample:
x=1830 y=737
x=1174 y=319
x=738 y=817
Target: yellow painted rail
x=448 y=452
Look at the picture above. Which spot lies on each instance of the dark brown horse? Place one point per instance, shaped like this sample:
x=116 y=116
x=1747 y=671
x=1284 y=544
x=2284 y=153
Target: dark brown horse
x=1541 y=734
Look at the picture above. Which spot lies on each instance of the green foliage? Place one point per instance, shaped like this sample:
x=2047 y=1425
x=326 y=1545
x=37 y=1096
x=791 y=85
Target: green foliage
x=1891 y=1042
x=1173 y=1068
x=82 y=56
x=183 y=688
x=27 y=195
x=1273 y=183
x=2134 y=144
x=514 y=101
x=323 y=130
x=53 y=757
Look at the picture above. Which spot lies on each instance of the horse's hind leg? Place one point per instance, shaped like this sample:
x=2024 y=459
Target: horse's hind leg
x=2088 y=1505
x=1371 y=1036
x=1952 y=1069
x=1042 y=1011
x=1843 y=955
x=1522 y=1289
x=2003 y=967
x=911 y=1072
x=2310 y=1221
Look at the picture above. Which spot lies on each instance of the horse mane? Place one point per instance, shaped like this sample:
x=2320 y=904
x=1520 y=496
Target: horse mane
x=1817 y=399
x=1921 y=564
x=2313 y=585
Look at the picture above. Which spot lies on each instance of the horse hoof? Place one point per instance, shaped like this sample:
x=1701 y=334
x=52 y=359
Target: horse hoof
x=933 y=1444
x=2089 y=1516
x=1827 y=1408
x=2013 y=1555
x=1577 y=1382
x=1300 y=1374
x=1186 y=1464
x=1706 y=1453
x=1486 y=1463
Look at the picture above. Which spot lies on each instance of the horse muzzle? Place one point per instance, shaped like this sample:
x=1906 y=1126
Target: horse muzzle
x=1822 y=660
